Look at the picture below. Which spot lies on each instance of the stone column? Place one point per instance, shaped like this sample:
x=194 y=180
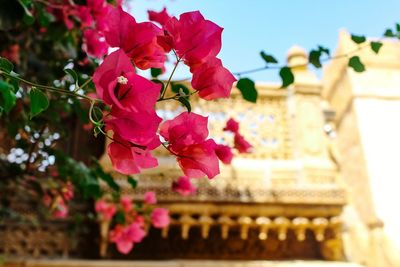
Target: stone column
x=368 y=111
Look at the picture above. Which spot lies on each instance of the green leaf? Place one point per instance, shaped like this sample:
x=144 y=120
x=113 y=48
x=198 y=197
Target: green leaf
x=73 y=75
x=44 y=17
x=79 y=174
x=28 y=17
x=8 y=98
x=91 y=187
x=184 y=101
x=120 y=217
x=324 y=50
x=6 y=65
x=155 y=72
x=15 y=84
x=314 y=58
x=132 y=182
x=107 y=178
x=39 y=102
x=138 y=205
x=287 y=76
x=268 y=58
x=356 y=64
x=376 y=46
x=248 y=89
x=398 y=27
x=358 y=39
x=389 y=33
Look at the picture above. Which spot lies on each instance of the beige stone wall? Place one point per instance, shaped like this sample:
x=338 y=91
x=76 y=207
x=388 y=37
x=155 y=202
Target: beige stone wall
x=368 y=110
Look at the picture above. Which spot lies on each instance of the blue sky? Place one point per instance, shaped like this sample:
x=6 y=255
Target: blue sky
x=274 y=26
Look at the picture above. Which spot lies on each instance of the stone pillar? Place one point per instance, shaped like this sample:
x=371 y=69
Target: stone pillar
x=306 y=111
x=368 y=110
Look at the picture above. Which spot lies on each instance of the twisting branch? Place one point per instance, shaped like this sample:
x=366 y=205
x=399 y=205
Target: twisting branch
x=329 y=58
x=49 y=88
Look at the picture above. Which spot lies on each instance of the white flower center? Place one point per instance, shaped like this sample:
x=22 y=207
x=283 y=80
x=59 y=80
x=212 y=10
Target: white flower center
x=122 y=80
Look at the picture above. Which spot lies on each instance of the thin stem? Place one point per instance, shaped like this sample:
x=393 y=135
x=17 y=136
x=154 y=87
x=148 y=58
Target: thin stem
x=96 y=123
x=83 y=85
x=49 y=4
x=250 y=71
x=170 y=77
x=177 y=96
x=49 y=88
x=173 y=153
x=277 y=67
x=168 y=98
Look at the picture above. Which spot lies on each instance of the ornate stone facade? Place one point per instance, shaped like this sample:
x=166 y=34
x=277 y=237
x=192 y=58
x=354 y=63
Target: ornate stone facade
x=285 y=194
x=306 y=192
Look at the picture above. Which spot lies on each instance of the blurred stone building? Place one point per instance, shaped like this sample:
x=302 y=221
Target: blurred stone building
x=319 y=189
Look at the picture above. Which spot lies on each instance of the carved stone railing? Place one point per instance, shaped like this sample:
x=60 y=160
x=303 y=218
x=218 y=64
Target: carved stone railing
x=280 y=189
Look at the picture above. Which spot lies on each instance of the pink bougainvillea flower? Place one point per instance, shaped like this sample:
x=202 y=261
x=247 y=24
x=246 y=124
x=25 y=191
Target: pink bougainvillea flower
x=241 y=144
x=126 y=237
x=68 y=12
x=119 y=86
x=126 y=203
x=105 y=210
x=224 y=153
x=199 y=160
x=183 y=186
x=139 y=128
x=106 y=75
x=61 y=209
x=139 y=220
x=99 y=9
x=138 y=40
x=94 y=43
x=212 y=80
x=185 y=129
x=83 y=13
x=160 y=218
x=150 y=198
x=160 y=17
x=128 y=159
x=186 y=135
x=68 y=191
x=195 y=39
x=232 y=126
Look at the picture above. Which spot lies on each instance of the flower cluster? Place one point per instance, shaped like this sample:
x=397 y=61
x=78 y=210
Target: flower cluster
x=132 y=98
x=91 y=19
x=129 y=220
x=56 y=200
x=240 y=143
